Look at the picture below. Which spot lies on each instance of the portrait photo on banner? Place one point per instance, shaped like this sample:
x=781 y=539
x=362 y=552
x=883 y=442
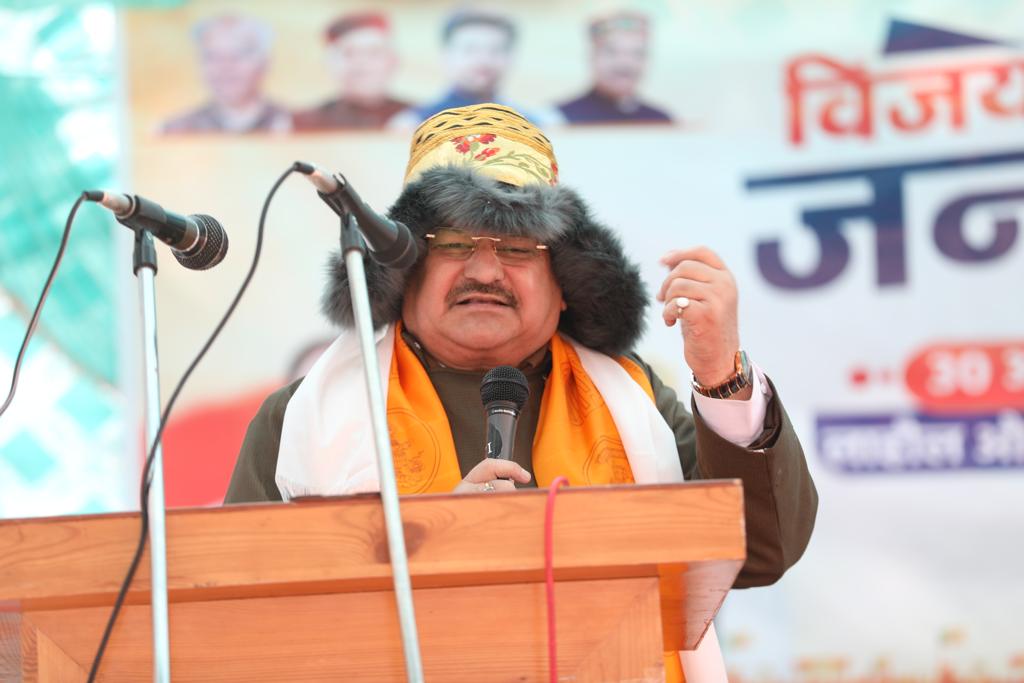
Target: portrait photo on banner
x=252 y=68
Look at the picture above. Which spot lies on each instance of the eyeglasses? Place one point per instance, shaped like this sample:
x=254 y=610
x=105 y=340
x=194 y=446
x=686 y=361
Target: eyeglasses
x=459 y=245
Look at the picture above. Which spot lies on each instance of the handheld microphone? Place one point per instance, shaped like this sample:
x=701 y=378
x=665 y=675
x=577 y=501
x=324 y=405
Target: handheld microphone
x=197 y=241
x=391 y=243
x=504 y=391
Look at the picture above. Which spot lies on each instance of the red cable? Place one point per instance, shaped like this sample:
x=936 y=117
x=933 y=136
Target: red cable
x=549 y=573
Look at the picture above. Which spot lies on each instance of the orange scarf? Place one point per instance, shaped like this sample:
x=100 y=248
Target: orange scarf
x=576 y=436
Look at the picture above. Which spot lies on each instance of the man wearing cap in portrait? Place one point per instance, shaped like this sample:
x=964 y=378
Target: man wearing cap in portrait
x=619 y=45
x=362 y=60
x=234 y=56
x=515 y=271
x=478 y=48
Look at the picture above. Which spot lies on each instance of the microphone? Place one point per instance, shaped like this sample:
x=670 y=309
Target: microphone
x=504 y=391
x=197 y=241
x=391 y=243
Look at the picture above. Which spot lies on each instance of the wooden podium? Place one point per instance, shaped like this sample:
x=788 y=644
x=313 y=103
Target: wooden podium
x=302 y=592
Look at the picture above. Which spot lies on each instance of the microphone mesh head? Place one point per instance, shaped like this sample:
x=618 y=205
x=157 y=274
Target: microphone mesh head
x=505 y=383
x=212 y=247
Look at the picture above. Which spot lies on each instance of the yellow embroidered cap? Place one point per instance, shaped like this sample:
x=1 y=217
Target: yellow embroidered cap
x=491 y=138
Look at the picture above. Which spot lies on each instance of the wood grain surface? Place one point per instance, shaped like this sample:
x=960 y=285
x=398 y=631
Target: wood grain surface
x=10 y=646
x=472 y=634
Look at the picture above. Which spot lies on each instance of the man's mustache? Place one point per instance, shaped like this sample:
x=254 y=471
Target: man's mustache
x=461 y=291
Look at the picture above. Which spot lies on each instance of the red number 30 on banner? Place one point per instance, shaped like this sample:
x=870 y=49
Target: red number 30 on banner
x=968 y=377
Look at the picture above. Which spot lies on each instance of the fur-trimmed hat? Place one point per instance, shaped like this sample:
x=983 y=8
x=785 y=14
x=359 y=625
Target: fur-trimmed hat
x=486 y=168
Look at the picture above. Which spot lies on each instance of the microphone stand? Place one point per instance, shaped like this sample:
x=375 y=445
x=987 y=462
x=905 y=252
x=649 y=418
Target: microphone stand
x=144 y=267
x=353 y=249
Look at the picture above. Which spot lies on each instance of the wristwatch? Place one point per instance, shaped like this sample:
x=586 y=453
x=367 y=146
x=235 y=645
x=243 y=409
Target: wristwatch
x=741 y=377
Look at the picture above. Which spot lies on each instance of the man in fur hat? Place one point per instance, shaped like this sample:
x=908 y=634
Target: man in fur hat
x=515 y=271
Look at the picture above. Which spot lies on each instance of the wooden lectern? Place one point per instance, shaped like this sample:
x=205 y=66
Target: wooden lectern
x=302 y=592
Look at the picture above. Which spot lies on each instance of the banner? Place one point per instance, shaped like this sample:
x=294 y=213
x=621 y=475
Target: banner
x=857 y=166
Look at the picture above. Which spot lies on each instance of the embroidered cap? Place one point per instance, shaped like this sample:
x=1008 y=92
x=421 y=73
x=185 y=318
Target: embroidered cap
x=489 y=138
x=347 y=23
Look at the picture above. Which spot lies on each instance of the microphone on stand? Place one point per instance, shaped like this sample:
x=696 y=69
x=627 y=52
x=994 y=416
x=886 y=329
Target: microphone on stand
x=391 y=243
x=504 y=391
x=197 y=241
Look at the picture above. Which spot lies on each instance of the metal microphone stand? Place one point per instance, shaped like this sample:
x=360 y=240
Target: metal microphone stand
x=354 y=249
x=144 y=267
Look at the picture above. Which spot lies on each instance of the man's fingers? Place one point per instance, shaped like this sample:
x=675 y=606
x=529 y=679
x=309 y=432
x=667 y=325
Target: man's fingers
x=691 y=289
x=689 y=269
x=489 y=469
x=506 y=469
x=702 y=254
x=490 y=486
x=676 y=308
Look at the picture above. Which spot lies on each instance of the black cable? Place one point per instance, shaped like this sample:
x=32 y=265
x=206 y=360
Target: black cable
x=39 y=306
x=147 y=470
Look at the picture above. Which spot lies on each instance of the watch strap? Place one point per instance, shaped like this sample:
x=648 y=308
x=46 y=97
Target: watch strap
x=741 y=377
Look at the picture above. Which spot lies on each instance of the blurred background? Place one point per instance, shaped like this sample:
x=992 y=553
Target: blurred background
x=857 y=164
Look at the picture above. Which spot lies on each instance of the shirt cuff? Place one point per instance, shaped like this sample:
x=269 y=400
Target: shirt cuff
x=740 y=422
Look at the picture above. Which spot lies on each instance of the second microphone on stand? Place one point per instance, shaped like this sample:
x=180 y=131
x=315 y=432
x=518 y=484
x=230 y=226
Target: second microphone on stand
x=391 y=243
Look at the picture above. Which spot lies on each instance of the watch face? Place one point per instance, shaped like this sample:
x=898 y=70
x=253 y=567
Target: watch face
x=743 y=365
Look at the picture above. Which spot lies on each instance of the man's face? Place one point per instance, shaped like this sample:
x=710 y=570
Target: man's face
x=363 y=61
x=233 y=64
x=480 y=313
x=477 y=56
x=618 y=60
